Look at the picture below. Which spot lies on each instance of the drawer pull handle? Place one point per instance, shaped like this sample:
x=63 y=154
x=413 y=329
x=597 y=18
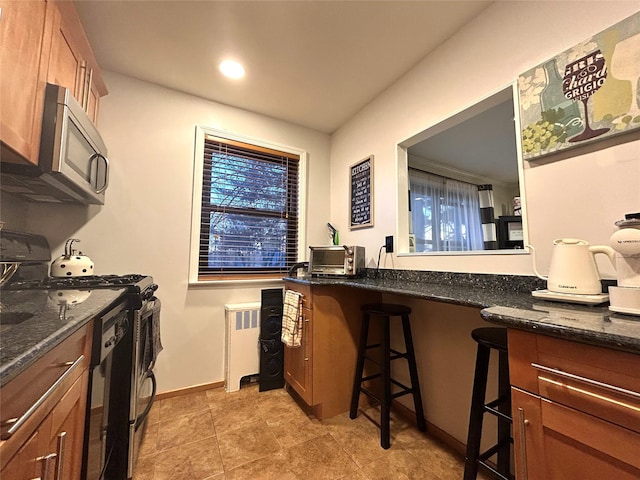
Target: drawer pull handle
x=590 y=394
x=46 y=461
x=523 y=444
x=9 y=421
x=588 y=381
x=15 y=425
x=62 y=438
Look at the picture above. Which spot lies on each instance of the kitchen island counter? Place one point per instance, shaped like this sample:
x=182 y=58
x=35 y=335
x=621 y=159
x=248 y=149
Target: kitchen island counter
x=502 y=299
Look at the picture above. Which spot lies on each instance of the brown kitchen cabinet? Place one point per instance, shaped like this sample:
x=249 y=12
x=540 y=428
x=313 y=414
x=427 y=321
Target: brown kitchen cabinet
x=321 y=370
x=298 y=362
x=24 y=50
x=41 y=41
x=71 y=61
x=576 y=409
x=49 y=443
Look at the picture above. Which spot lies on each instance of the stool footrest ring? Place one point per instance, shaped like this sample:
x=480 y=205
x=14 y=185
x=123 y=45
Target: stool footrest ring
x=370 y=394
x=494 y=471
x=371 y=377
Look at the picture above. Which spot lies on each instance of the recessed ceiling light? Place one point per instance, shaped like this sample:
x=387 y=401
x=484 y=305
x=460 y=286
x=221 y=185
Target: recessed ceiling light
x=232 y=69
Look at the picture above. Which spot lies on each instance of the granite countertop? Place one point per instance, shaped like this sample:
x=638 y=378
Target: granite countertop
x=32 y=322
x=504 y=300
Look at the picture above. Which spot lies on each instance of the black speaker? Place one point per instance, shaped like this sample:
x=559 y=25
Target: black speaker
x=271 y=348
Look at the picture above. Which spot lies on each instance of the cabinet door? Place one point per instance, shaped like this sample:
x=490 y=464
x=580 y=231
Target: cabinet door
x=67 y=435
x=23 y=39
x=527 y=436
x=298 y=361
x=583 y=447
x=571 y=444
x=25 y=464
x=66 y=65
x=93 y=100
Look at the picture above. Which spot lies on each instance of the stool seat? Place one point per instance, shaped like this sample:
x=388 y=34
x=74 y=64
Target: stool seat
x=383 y=312
x=488 y=339
x=491 y=337
x=390 y=309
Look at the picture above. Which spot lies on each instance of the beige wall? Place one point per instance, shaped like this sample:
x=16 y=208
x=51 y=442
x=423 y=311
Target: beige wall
x=578 y=197
x=145 y=225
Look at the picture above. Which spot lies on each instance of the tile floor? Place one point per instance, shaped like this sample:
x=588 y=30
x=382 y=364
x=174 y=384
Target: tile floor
x=214 y=435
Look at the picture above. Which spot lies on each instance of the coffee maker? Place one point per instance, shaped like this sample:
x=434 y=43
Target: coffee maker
x=625 y=297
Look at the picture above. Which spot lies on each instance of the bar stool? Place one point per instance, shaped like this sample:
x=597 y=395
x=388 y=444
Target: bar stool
x=385 y=311
x=490 y=338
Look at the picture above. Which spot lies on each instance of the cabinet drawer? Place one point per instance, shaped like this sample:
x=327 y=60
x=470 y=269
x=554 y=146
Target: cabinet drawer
x=599 y=381
x=620 y=444
x=64 y=364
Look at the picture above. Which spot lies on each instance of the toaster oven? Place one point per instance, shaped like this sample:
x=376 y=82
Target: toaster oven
x=337 y=260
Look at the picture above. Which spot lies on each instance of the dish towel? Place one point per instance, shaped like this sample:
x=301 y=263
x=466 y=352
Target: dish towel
x=154 y=325
x=292 y=319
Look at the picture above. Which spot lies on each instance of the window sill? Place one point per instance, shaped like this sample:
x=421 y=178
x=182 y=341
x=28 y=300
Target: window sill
x=236 y=281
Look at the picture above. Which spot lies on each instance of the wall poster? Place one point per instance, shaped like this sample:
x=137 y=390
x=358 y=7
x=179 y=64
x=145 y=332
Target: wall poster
x=361 y=194
x=586 y=93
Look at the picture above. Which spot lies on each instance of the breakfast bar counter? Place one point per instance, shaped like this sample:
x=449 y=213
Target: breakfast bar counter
x=502 y=299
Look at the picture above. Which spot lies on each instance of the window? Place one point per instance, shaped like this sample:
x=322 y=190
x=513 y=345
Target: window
x=248 y=209
x=445 y=213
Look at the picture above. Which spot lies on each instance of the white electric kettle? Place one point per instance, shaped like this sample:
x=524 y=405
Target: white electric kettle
x=573 y=267
x=71 y=264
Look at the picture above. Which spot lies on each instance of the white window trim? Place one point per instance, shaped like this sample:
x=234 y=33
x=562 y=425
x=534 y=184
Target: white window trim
x=196 y=201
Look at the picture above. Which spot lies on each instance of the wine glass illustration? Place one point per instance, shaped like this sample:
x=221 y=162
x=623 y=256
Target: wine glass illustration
x=625 y=66
x=581 y=80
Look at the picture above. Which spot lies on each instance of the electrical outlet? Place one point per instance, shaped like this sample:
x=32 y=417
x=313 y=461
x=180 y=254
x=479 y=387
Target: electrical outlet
x=388 y=244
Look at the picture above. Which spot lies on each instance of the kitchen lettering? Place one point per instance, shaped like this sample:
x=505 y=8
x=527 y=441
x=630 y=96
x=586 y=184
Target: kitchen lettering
x=583 y=77
x=360 y=168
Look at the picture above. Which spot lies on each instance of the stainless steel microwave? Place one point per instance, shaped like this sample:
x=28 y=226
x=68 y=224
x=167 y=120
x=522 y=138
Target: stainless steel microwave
x=73 y=165
x=343 y=261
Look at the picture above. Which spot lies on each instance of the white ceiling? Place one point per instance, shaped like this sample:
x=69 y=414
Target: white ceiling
x=311 y=63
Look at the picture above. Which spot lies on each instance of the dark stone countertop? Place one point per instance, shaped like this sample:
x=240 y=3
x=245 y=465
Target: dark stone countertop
x=33 y=323
x=504 y=300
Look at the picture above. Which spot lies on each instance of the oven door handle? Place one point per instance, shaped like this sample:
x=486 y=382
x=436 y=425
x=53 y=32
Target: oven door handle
x=145 y=412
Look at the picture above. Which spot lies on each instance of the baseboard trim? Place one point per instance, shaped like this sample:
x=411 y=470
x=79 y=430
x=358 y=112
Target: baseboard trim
x=434 y=431
x=186 y=390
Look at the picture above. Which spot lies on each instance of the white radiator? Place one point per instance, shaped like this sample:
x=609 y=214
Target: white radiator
x=242 y=333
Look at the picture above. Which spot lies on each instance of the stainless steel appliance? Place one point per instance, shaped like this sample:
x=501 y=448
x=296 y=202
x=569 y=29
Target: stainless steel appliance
x=125 y=345
x=119 y=414
x=343 y=261
x=73 y=167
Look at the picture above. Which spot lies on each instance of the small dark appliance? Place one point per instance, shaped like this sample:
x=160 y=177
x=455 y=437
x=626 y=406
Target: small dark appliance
x=271 y=348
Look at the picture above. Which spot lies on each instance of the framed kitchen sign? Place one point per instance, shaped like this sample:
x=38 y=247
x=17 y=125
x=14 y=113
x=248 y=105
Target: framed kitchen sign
x=585 y=94
x=361 y=194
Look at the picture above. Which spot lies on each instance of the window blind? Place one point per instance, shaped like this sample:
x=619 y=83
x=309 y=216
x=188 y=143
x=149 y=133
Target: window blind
x=249 y=211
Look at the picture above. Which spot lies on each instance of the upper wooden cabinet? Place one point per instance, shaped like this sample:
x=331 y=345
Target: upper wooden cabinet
x=71 y=61
x=41 y=41
x=22 y=78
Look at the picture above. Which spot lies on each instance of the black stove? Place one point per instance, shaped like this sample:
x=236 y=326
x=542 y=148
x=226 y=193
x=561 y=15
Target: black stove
x=125 y=344
x=140 y=288
x=134 y=282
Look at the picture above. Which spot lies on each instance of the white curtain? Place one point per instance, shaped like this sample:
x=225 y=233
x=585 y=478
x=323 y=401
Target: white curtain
x=445 y=213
